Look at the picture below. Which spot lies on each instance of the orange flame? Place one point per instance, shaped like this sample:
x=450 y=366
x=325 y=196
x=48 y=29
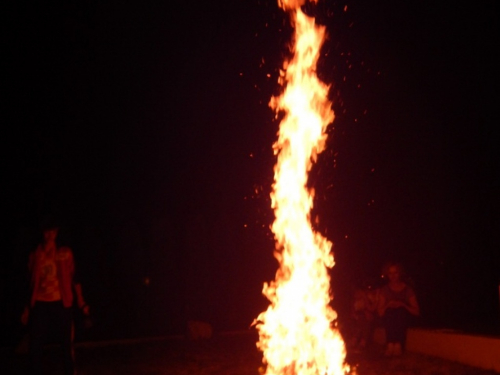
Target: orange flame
x=297 y=333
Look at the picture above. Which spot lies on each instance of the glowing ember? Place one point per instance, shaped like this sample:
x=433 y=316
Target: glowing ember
x=297 y=334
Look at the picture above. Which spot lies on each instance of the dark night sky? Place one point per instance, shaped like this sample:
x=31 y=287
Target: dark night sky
x=145 y=128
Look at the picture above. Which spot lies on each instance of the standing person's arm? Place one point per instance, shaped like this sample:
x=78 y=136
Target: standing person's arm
x=25 y=316
x=77 y=287
x=79 y=299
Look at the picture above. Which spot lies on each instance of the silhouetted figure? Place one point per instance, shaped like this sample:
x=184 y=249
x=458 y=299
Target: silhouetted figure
x=363 y=315
x=397 y=306
x=54 y=290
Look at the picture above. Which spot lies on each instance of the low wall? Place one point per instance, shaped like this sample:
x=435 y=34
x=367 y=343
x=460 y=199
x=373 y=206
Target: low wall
x=474 y=350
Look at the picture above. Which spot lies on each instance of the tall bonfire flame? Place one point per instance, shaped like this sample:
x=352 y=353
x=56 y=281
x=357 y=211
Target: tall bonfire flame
x=297 y=333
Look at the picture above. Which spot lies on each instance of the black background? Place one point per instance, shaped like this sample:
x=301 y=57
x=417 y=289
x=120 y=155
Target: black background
x=144 y=127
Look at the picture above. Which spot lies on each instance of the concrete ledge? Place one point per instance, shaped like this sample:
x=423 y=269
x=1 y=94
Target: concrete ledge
x=473 y=350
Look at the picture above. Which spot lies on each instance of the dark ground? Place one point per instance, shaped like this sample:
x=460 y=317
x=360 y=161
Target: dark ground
x=224 y=354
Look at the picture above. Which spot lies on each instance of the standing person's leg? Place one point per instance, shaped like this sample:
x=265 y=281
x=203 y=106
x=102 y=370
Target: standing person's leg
x=66 y=337
x=38 y=328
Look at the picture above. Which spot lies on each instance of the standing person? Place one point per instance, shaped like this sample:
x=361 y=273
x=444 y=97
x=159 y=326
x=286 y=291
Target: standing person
x=397 y=306
x=363 y=312
x=54 y=289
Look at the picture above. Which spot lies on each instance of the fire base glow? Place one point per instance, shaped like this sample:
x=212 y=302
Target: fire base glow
x=297 y=332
